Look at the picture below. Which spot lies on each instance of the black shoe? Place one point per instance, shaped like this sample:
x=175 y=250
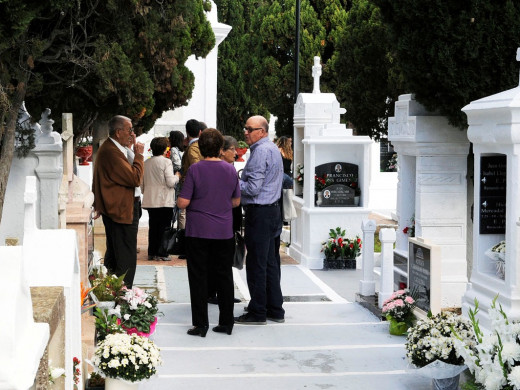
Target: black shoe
x=246 y=309
x=213 y=300
x=223 y=329
x=236 y=300
x=182 y=257
x=198 y=331
x=162 y=258
x=247 y=319
x=151 y=257
x=279 y=320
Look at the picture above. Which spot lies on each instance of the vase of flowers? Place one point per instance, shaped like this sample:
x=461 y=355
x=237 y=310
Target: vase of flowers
x=299 y=174
x=137 y=311
x=340 y=251
x=430 y=347
x=125 y=360
x=398 y=310
x=84 y=150
x=320 y=183
x=497 y=253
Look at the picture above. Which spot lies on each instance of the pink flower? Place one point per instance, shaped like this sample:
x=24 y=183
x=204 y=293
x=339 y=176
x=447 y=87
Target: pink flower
x=409 y=300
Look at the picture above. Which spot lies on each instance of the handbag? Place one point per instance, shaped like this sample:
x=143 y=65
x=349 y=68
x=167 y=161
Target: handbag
x=289 y=212
x=240 y=251
x=173 y=239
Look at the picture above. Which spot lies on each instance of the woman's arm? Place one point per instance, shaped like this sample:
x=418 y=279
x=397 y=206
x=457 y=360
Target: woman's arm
x=183 y=203
x=235 y=202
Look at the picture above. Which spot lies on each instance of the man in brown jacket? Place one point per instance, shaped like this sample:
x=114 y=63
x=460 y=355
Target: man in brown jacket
x=114 y=186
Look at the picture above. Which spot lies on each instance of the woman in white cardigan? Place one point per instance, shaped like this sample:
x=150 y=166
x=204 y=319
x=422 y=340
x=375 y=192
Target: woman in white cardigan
x=158 y=194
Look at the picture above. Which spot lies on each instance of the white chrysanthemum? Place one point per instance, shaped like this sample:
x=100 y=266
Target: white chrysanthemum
x=511 y=352
x=126 y=317
x=114 y=363
x=514 y=377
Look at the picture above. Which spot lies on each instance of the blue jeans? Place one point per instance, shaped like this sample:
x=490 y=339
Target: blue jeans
x=263 y=226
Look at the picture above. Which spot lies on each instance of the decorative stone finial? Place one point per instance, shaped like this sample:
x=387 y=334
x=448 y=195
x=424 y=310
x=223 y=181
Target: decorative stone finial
x=316 y=73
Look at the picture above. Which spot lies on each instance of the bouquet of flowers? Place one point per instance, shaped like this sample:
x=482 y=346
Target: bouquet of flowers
x=434 y=339
x=321 y=182
x=392 y=163
x=127 y=357
x=410 y=230
x=338 y=246
x=137 y=311
x=400 y=307
x=494 y=358
x=299 y=174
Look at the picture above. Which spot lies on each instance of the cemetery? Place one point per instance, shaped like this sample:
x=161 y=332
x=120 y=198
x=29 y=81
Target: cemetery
x=441 y=205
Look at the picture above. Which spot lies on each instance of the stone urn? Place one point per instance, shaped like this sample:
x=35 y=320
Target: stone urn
x=84 y=153
x=240 y=153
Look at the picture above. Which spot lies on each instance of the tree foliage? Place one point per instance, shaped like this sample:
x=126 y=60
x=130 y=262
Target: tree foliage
x=95 y=59
x=235 y=102
x=449 y=53
x=362 y=65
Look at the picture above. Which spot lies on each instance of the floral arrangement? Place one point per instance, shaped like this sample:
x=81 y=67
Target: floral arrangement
x=493 y=358
x=299 y=174
x=392 y=163
x=500 y=247
x=106 y=323
x=321 y=182
x=104 y=286
x=355 y=186
x=243 y=145
x=498 y=254
x=55 y=373
x=76 y=372
x=137 y=311
x=85 y=141
x=433 y=339
x=410 y=230
x=399 y=307
x=338 y=246
x=127 y=357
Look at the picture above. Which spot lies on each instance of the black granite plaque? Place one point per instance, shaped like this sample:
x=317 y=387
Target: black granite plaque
x=338 y=195
x=492 y=205
x=419 y=274
x=343 y=178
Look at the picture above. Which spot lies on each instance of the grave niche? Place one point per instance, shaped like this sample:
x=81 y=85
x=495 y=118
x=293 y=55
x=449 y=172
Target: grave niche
x=344 y=180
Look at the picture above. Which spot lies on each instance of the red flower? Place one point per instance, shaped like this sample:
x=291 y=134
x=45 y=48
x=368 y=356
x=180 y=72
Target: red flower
x=340 y=241
x=351 y=246
x=359 y=240
x=405 y=230
x=75 y=360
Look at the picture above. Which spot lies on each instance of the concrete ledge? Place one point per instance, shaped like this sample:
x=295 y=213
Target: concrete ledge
x=370 y=302
x=48 y=306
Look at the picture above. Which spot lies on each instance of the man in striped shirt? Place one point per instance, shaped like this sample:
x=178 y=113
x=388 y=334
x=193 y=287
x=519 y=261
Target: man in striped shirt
x=261 y=188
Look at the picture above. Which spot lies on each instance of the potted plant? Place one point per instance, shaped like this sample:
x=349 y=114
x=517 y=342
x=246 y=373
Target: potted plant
x=430 y=346
x=105 y=288
x=95 y=382
x=493 y=357
x=299 y=177
x=357 y=191
x=125 y=360
x=137 y=312
x=84 y=150
x=340 y=252
x=106 y=323
x=398 y=310
x=497 y=253
x=241 y=150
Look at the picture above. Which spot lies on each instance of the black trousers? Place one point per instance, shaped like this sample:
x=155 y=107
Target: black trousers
x=263 y=226
x=216 y=256
x=121 y=253
x=159 y=219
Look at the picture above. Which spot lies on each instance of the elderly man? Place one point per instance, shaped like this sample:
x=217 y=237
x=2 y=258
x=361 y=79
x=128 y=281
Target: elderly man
x=117 y=176
x=261 y=187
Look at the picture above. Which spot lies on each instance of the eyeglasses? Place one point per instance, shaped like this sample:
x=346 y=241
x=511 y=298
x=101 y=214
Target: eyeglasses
x=232 y=148
x=251 y=129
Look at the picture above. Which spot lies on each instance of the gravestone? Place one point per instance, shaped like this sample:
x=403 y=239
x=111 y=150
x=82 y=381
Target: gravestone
x=493 y=194
x=344 y=178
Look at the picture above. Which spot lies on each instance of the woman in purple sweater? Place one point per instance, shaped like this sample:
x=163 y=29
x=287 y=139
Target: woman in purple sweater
x=209 y=193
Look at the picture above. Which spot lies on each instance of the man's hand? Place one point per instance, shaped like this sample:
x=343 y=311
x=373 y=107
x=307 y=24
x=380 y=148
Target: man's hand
x=96 y=214
x=139 y=148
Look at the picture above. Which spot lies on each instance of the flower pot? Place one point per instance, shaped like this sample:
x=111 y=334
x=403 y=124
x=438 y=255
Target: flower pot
x=240 y=153
x=356 y=200
x=84 y=153
x=120 y=384
x=90 y=386
x=333 y=263
x=137 y=332
x=350 y=263
x=397 y=328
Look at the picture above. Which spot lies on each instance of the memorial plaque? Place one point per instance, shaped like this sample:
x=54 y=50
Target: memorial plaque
x=419 y=275
x=338 y=195
x=344 y=178
x=492 y=205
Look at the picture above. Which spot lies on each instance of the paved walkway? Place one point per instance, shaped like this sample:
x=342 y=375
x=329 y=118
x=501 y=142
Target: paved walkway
x=327 y=341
